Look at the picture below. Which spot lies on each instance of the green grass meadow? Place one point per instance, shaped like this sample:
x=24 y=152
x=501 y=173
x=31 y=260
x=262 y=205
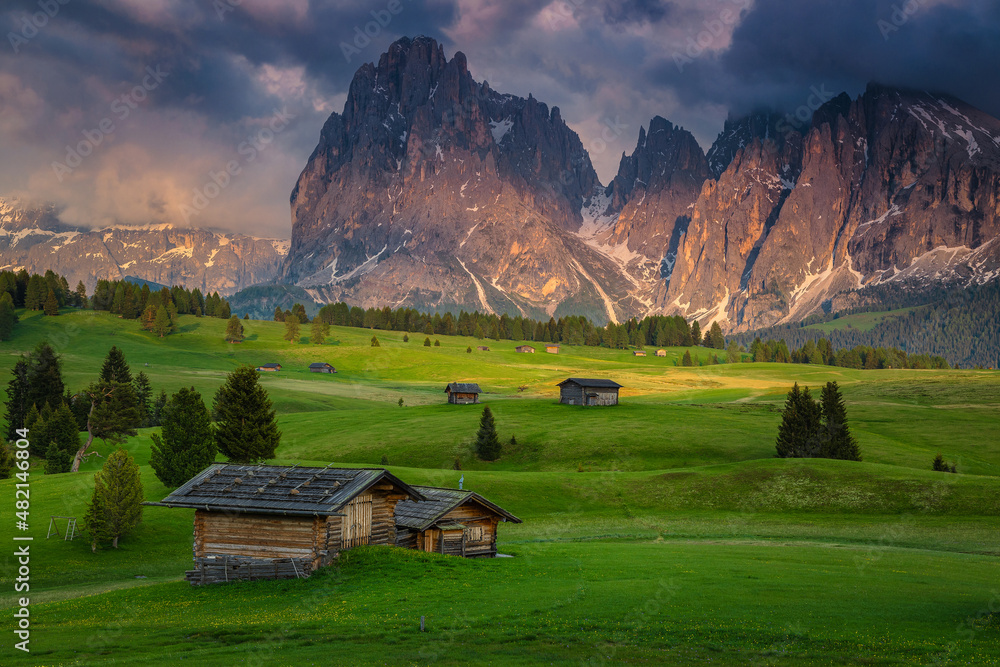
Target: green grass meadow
x=659 y=531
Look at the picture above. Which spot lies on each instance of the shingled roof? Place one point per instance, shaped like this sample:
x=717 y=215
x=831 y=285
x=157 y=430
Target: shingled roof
x=291 y=490
x=421 y=515
x=463 y=388
x=584 y=382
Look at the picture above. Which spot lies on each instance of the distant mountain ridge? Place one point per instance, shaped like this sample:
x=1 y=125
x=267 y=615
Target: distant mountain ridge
x=33 y=238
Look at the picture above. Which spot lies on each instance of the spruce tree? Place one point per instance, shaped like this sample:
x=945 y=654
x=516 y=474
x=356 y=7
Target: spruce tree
x=17 y=398
x=143 y=389
x=292 y=329
x=45 y=383
x=156 y=416
x=57 y=460
x=115 y=368
x=799 y=434
x=487 y=442
x=234 y=330
x=37 y=431
x=115 y=507
x=81 y=294
x=279 y=316
x=716 y=339
x=162 y=324
x=6 y=461
x=51 y=305
x=427 y=342
x=246 y=431
x=61 y=440
x=686 y=359
x=838 y=441
x=406 y=338
x=188 y=443
x=8 y=316
x=375 y=342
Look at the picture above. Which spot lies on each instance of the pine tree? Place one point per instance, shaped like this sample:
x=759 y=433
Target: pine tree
x=33 y=296
x=57 y=460
x=61 y=440
x=245 y=428
x=234 y=330
x=6 y=461
x=45 y=383
x=156 y=416
x=838 y=441
x=292 y=329
x=799 y=434
x=469 y=349
x=143 y=389
x=487 y=442
x=375 y=342
x=148 y=318
x=81 y=295
x=716 y=339
x=115 y=508
x=188 y=443
x=732 y=352
x=162 y=324
x=113 y=415
x=17 y=398
x=427 y=342
x=696 y=333
x=320 y=330
x=51 y=306
x=686 y=359
x=437 y=343
x=279 y=316
x=37 y=430
x=115 y=368
x=8 y=316
x=406 y=339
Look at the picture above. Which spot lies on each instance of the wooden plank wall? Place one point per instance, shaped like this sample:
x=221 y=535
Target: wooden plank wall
x=571 y=394
x=256 y=535
x=357 y=521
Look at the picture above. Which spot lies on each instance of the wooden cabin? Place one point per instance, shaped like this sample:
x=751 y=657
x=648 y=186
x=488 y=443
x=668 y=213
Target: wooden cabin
x=450 y=521
x=321 y=367
x=463 y=393
x=482 y=348
x=524 y=349
x=661 y=353
x=276 y=522
x=581 y=391
x=638 y=353
x=269 y=368
x=552 y=349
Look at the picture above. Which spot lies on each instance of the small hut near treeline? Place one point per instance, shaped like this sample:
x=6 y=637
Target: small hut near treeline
x=450 y=521
x=463 y=393
x=321 y=367
x=275 y=522
x=482 y=348
x=272 y=368
x=661 y=353
x=552 y=349
x=524 y=349
x=584 y=391
x=638 y=353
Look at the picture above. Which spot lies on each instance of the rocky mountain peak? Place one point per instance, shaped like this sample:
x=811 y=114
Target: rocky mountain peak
x=740 y=131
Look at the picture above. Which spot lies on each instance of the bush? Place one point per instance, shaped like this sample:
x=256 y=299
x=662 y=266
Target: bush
x=940 y=465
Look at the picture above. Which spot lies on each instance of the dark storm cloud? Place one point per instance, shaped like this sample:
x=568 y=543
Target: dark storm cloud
x=610 y=66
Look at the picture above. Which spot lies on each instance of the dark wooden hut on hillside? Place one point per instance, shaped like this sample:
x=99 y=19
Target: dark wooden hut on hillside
x=450 y=521
x=582 y=391
x=272 y=522
x=321 y=367
x=463 y=393
x=552 y=349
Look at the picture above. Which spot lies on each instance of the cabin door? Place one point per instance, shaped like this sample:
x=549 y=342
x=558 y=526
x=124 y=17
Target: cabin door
x=358 y=521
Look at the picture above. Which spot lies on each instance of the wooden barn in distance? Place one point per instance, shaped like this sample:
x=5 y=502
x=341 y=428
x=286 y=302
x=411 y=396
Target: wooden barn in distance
x=552 y=349
x=638 y=353
x=269 y=368
x=582 y=391
x=275 y=522
x=450 y=521
x=524 y=349
x=321 y=367
x=482 y=348
x=661 y=353
x=463 y=393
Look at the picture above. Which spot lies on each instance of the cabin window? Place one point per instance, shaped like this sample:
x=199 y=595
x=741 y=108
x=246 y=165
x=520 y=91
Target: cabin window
x=475 y=534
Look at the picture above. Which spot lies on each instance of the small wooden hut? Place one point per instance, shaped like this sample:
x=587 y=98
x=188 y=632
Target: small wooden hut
x=321 y=367
x=661 y=353
x=583 y=391
x=463 y=393
x=269 y=368
x=274 y=522
x=450 y=521
x=524 y=349
x=638 y=353
x=552 y=349
x=482 y=348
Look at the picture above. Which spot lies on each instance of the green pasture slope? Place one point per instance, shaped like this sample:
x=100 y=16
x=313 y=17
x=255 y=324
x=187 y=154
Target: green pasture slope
x=661 y=531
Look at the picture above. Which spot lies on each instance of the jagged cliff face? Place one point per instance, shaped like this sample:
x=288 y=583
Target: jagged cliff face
x=892 y=186
x=434 y=190
x=34 y=239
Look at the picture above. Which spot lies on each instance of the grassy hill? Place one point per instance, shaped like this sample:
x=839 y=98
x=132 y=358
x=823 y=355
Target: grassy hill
x=660 y=530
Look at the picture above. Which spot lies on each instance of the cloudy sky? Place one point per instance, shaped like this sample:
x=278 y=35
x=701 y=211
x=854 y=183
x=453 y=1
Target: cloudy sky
x=125 y=111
